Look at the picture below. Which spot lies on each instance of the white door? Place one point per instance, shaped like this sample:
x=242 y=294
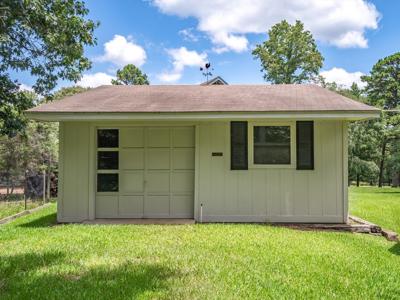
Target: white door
x=156 y=174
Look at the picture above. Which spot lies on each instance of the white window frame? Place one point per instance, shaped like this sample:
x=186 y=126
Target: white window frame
x=250 y=138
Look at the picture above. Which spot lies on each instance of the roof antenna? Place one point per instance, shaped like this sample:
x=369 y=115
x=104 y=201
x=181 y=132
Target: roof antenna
x=206 y=70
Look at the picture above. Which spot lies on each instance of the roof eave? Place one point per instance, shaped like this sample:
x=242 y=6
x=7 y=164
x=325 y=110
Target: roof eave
x=199 y=116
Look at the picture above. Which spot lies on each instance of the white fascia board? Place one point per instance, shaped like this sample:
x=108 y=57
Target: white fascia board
x=199 y=116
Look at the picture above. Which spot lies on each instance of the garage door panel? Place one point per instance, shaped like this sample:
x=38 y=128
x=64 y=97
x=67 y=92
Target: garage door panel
x=131 y=159
x=131 y=206
x=156 y=206
x=131 y=137
x=183 y=137
x=157 y=182
x=158 y=137
x=132 y=182
x=183 y=159
x=106 y=206
x=156 y=175
x=182 y=182
x=158 y=159
x=182 y=206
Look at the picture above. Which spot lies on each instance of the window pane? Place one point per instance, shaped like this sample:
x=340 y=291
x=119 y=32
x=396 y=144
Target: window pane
x=107 y=138
x=305 y=145
x=272 y=145
x=107 y=182
x=107 y=160
x=238 y=145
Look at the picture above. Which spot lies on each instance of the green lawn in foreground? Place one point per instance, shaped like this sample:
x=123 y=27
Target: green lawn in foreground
x=215 y=261
x=12 y=207
x=377 y=205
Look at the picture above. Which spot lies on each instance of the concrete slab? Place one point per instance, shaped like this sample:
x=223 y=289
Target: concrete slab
x=141 y=221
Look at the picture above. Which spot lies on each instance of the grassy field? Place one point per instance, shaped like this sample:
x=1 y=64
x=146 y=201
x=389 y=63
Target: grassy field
x=12 y=207
x=41 y=260
x=378 y=205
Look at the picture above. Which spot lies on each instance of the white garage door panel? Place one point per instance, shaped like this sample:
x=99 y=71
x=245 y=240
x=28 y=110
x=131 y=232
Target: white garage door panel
x=183 y=137
x=132 y=182
x=158 y=159
x=158 y=137
x=131 y=206
x=181 y=182
x=183 y=159
x=131 y=159
x=131 y=137
x=156 y=174
x=182 y=206
x=157 y=182
x=157 y=206
x=106 y=206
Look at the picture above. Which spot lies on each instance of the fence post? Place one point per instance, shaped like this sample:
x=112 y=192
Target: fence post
x=44 y=186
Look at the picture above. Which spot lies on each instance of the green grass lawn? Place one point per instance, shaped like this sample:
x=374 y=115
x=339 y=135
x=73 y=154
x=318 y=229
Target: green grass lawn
x=41 y=260
x=12 y=207
x=377 y=205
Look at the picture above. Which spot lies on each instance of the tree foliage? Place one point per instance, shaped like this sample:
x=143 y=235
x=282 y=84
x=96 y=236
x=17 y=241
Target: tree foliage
x=290 y=54
x=34 y=149
x=45 y=38
x=383 y=90
x=130 y=75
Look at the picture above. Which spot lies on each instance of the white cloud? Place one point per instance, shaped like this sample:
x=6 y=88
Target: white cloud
x=338 y=22
x=95 y=80
x=25 y=87
x=169 y=77
x=181 y=58
x=342 y=77
x=188 y=35
x=122 y=51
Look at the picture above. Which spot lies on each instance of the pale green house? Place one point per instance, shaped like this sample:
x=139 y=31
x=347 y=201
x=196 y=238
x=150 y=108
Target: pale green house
x=219 y=153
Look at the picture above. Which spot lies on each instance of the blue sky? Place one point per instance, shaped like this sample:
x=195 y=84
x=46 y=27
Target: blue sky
x=169 y=39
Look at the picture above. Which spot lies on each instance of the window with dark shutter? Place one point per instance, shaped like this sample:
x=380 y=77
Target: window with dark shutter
x=239 y=159
x=305 y=145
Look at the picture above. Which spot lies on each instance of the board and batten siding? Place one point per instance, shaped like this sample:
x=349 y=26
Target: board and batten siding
x=74 y=172
x=254 y=195
x=272 y=194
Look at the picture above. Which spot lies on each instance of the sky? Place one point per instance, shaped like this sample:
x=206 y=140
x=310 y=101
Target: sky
x=170 y=39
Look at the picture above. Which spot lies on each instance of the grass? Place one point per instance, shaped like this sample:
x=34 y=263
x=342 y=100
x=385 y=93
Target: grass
x=9 y=208
x=41 y=260
x=377 y=205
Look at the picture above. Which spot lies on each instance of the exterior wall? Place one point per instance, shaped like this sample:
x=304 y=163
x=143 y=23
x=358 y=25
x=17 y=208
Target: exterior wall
x=272 y=194
x=254 y=195
x=74 y=172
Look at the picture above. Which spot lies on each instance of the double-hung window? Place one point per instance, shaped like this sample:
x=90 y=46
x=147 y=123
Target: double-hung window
x=272 y=144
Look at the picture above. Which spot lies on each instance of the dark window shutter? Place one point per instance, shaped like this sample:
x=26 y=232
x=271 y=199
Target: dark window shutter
x=305 y=145
x=239 y=159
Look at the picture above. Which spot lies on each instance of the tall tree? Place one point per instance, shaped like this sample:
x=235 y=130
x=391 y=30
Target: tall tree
x=45 y=38
x=130 y=75
x=383 y=90
x=290 y=55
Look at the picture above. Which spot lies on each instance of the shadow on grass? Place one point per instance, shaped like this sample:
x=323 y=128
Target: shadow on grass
x=44 y=221
x=395 y=249
x=54 y=276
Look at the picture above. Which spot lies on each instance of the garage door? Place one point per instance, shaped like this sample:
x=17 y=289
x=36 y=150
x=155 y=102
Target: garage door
x=155 y=176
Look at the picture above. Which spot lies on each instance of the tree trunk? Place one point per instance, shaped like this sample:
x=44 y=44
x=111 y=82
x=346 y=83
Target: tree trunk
x=382 y=163
x=358 y=179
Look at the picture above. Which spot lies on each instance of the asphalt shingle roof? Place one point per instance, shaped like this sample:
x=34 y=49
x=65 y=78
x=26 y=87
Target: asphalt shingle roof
x=198 y=98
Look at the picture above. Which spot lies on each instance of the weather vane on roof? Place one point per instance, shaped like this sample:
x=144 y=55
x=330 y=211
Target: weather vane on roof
x=206 y=70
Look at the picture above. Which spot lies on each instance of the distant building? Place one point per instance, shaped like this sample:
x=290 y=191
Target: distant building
x=215 y=81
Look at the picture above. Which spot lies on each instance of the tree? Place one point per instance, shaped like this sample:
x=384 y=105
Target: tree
x=33 y=150
x=290 y=55
x=130 y=75
x=45 y=38
x=383 y=90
